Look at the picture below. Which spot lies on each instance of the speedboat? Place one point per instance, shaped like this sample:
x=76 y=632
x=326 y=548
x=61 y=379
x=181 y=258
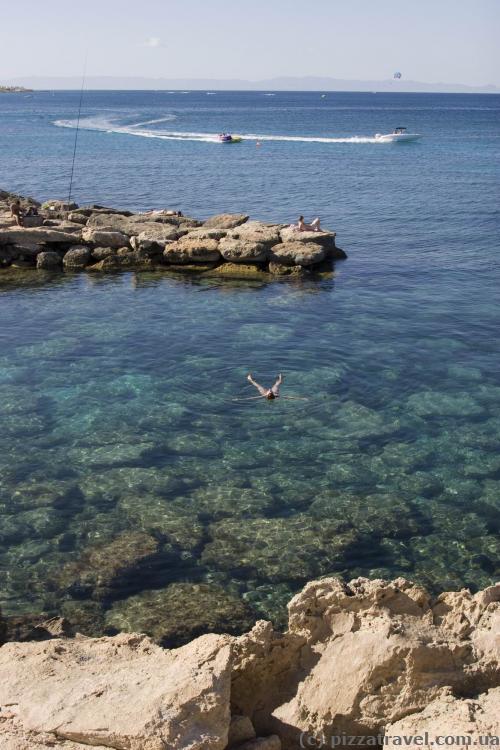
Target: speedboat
x=399 y=135
x=228 y=138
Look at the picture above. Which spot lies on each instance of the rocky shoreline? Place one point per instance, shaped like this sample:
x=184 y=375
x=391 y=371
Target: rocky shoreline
x=65 y=237
x=382 y=662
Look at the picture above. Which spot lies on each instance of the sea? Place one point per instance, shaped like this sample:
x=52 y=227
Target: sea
x=141 y=488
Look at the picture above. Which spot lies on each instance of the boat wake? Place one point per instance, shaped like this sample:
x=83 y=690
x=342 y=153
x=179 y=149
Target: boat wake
x=139 y=129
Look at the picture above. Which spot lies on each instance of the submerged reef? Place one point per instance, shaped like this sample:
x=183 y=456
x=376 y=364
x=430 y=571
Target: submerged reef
x=377 y=661
x=62 y=236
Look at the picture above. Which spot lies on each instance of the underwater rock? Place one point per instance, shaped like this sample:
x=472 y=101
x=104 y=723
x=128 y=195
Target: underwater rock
x=297 y=253
x=436 y=403
x=375 y=515
x=48 y=260
x=225 y=221
x=308 y=547
x=108 y=566
x=77 y=257
x=278 y=269
x=181 y=611
x=239 y=271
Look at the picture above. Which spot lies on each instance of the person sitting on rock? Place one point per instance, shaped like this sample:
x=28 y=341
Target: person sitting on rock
x=17 y=212
x=269 y=393
x=314 y=226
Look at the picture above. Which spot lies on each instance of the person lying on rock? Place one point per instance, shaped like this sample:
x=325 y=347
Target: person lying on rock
x=269 y=393
x=17 y=212
x=314 y=226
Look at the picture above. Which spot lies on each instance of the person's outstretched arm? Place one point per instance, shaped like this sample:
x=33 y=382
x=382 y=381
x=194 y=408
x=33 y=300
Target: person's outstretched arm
x=261 y=390
x=276 y=387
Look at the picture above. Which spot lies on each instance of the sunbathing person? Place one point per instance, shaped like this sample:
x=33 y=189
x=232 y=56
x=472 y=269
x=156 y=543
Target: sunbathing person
x=314 y=226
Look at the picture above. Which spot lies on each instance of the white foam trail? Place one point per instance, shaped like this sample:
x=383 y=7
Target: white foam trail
x=168 y=118
x=108 y=126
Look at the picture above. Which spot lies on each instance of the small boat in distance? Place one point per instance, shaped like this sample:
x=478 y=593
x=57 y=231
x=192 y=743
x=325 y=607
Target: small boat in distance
x=399 y=135
x=228 y=138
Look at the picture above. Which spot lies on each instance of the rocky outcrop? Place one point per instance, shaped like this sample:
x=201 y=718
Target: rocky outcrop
x=165 y=699
x=97 y=238
x=365 y=658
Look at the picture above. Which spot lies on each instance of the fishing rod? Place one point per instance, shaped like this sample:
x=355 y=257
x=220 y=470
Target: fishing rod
x=77 y=130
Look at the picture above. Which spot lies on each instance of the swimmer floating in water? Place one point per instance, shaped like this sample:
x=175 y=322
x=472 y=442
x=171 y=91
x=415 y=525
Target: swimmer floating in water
x=269 y=393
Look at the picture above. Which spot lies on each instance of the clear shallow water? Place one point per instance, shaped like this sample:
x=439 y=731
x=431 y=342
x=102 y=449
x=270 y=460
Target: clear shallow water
x=133 y=489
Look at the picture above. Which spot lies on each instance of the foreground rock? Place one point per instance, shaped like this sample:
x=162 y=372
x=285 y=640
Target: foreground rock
x=365 y=658
x=95 y=238
x=121 y=692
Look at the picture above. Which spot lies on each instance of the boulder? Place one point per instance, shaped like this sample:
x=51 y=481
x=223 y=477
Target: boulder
x=323 y=238
x=448 y=716
x=99 y=253
x=256 y=231
x=48 y=260
x=8 y=253
x=240 y=730
x=123 y=259
x=155 y=236
x=242 y=251
x=37 y=236
x=121 y=692
x=206 y=233
x=133 y=225
x=101 y=238
x=226 y=221
x=192 y=251
x=77 y=257
x=77 y=218
x=297 y=253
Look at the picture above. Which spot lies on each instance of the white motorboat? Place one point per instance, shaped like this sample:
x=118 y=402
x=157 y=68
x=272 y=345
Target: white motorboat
x=399 y=135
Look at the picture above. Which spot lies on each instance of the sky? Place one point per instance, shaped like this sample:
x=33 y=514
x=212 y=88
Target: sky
x=450 y=41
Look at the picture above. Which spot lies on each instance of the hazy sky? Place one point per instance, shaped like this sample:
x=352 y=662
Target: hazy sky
x=453 y=41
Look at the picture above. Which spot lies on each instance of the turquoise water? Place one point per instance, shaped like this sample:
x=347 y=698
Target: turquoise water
x=136 y=489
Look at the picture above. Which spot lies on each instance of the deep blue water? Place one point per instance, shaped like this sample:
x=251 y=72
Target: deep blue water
x=118 y=424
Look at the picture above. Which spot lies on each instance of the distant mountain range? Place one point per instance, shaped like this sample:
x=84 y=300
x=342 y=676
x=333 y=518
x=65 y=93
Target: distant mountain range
x=307 y=83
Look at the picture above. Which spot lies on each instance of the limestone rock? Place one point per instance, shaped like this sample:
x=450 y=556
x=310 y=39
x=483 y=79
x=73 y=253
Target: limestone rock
x=32 y=221
x=101 y=238
x=77 y=257
x=99 y=253
x=449 y=716
x=256 y=231
x=242 y=251
x=207 y=233
x=226 y=221
x=192 y=251
x=240 y=730
x=77 y=218
x=297 y=253
x=48 y=260
x=155 y=237
x=323 y=238
x=37 y=236
x=121 y=692
x=123 y=258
